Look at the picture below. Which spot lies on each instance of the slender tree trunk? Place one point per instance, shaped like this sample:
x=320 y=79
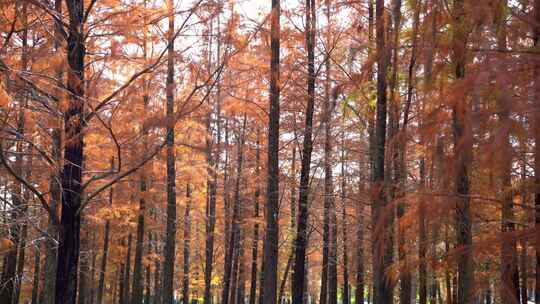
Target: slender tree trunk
x=49 y=273
x=35 y=283
x=328 y=175
x=137 y=295
x=301 y=240
x=121 y=282
x=157 y=282
x=104 y=256
x=345 y=240
x=463 y=152
x=187 y=240
x=147 y=287
x=382 y=242
x=255 y=240
x=170 y=242
x=84 y=266
x=213 y=166
x=509 y=263
x=241 y=284
x=229 y=289
x=422 y=234
x=270 y=256
x=127 y=273
x=284 y=278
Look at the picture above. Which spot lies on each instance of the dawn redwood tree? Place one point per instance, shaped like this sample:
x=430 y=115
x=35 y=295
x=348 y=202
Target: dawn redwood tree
x=170 y=239
x=270 y=255
x=463 y=152
x=307 y=147
x=382 y=242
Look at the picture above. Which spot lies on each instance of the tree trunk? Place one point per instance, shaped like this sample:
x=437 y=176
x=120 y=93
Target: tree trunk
x=382 y=242
x=345 y=240
x=71 y=178
x=463 y=152
x=187 y=239
x=231 y=269
x=509 y=263
x=270 y=256
x=35 y=283
x=121 y=281
x=84 y=267
x=127 y=270
x=49 y=286
x=170 y=241
x=255 y=240
x=104 y=256
x=137 y=289
x=213 y=166
x=301 y=240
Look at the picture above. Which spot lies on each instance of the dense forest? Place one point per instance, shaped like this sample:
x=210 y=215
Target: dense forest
x=267 y=151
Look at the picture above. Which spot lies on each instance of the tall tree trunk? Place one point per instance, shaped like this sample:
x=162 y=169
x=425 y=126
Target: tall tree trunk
x=170 y=241
x=147 y=287
x=422 y=234
x=157 y=282
x=229 y=291
x=509 y=263
x=241 y=285
x=382 y=242
x=524 y=272
x=281 y=293
x=137 y=286
x=127 y=271
x=84 y=266
x=49 y=273
x=35 y=283
x=71 y=178
x=301 y=240
x=212 y=158
x=328 y=175
x=187 y=239
x=270 y=256
x=255 y=240
x=105 y=254
x=121 y=282
x=462 y=152
x=345 y=240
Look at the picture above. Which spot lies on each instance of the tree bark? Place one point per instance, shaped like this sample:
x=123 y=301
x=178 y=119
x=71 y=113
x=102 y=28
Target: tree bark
x=255 y=240
x=213 y=166
x=170 y=241
x=301 y=240
x=382 y=242
x=187 y=240
x=137 y=295
x=509 y=263
x=35 y=283
x=270 y=256
x=127 y=270
x=462 y=152
x=71 y=177
x=105 y=254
